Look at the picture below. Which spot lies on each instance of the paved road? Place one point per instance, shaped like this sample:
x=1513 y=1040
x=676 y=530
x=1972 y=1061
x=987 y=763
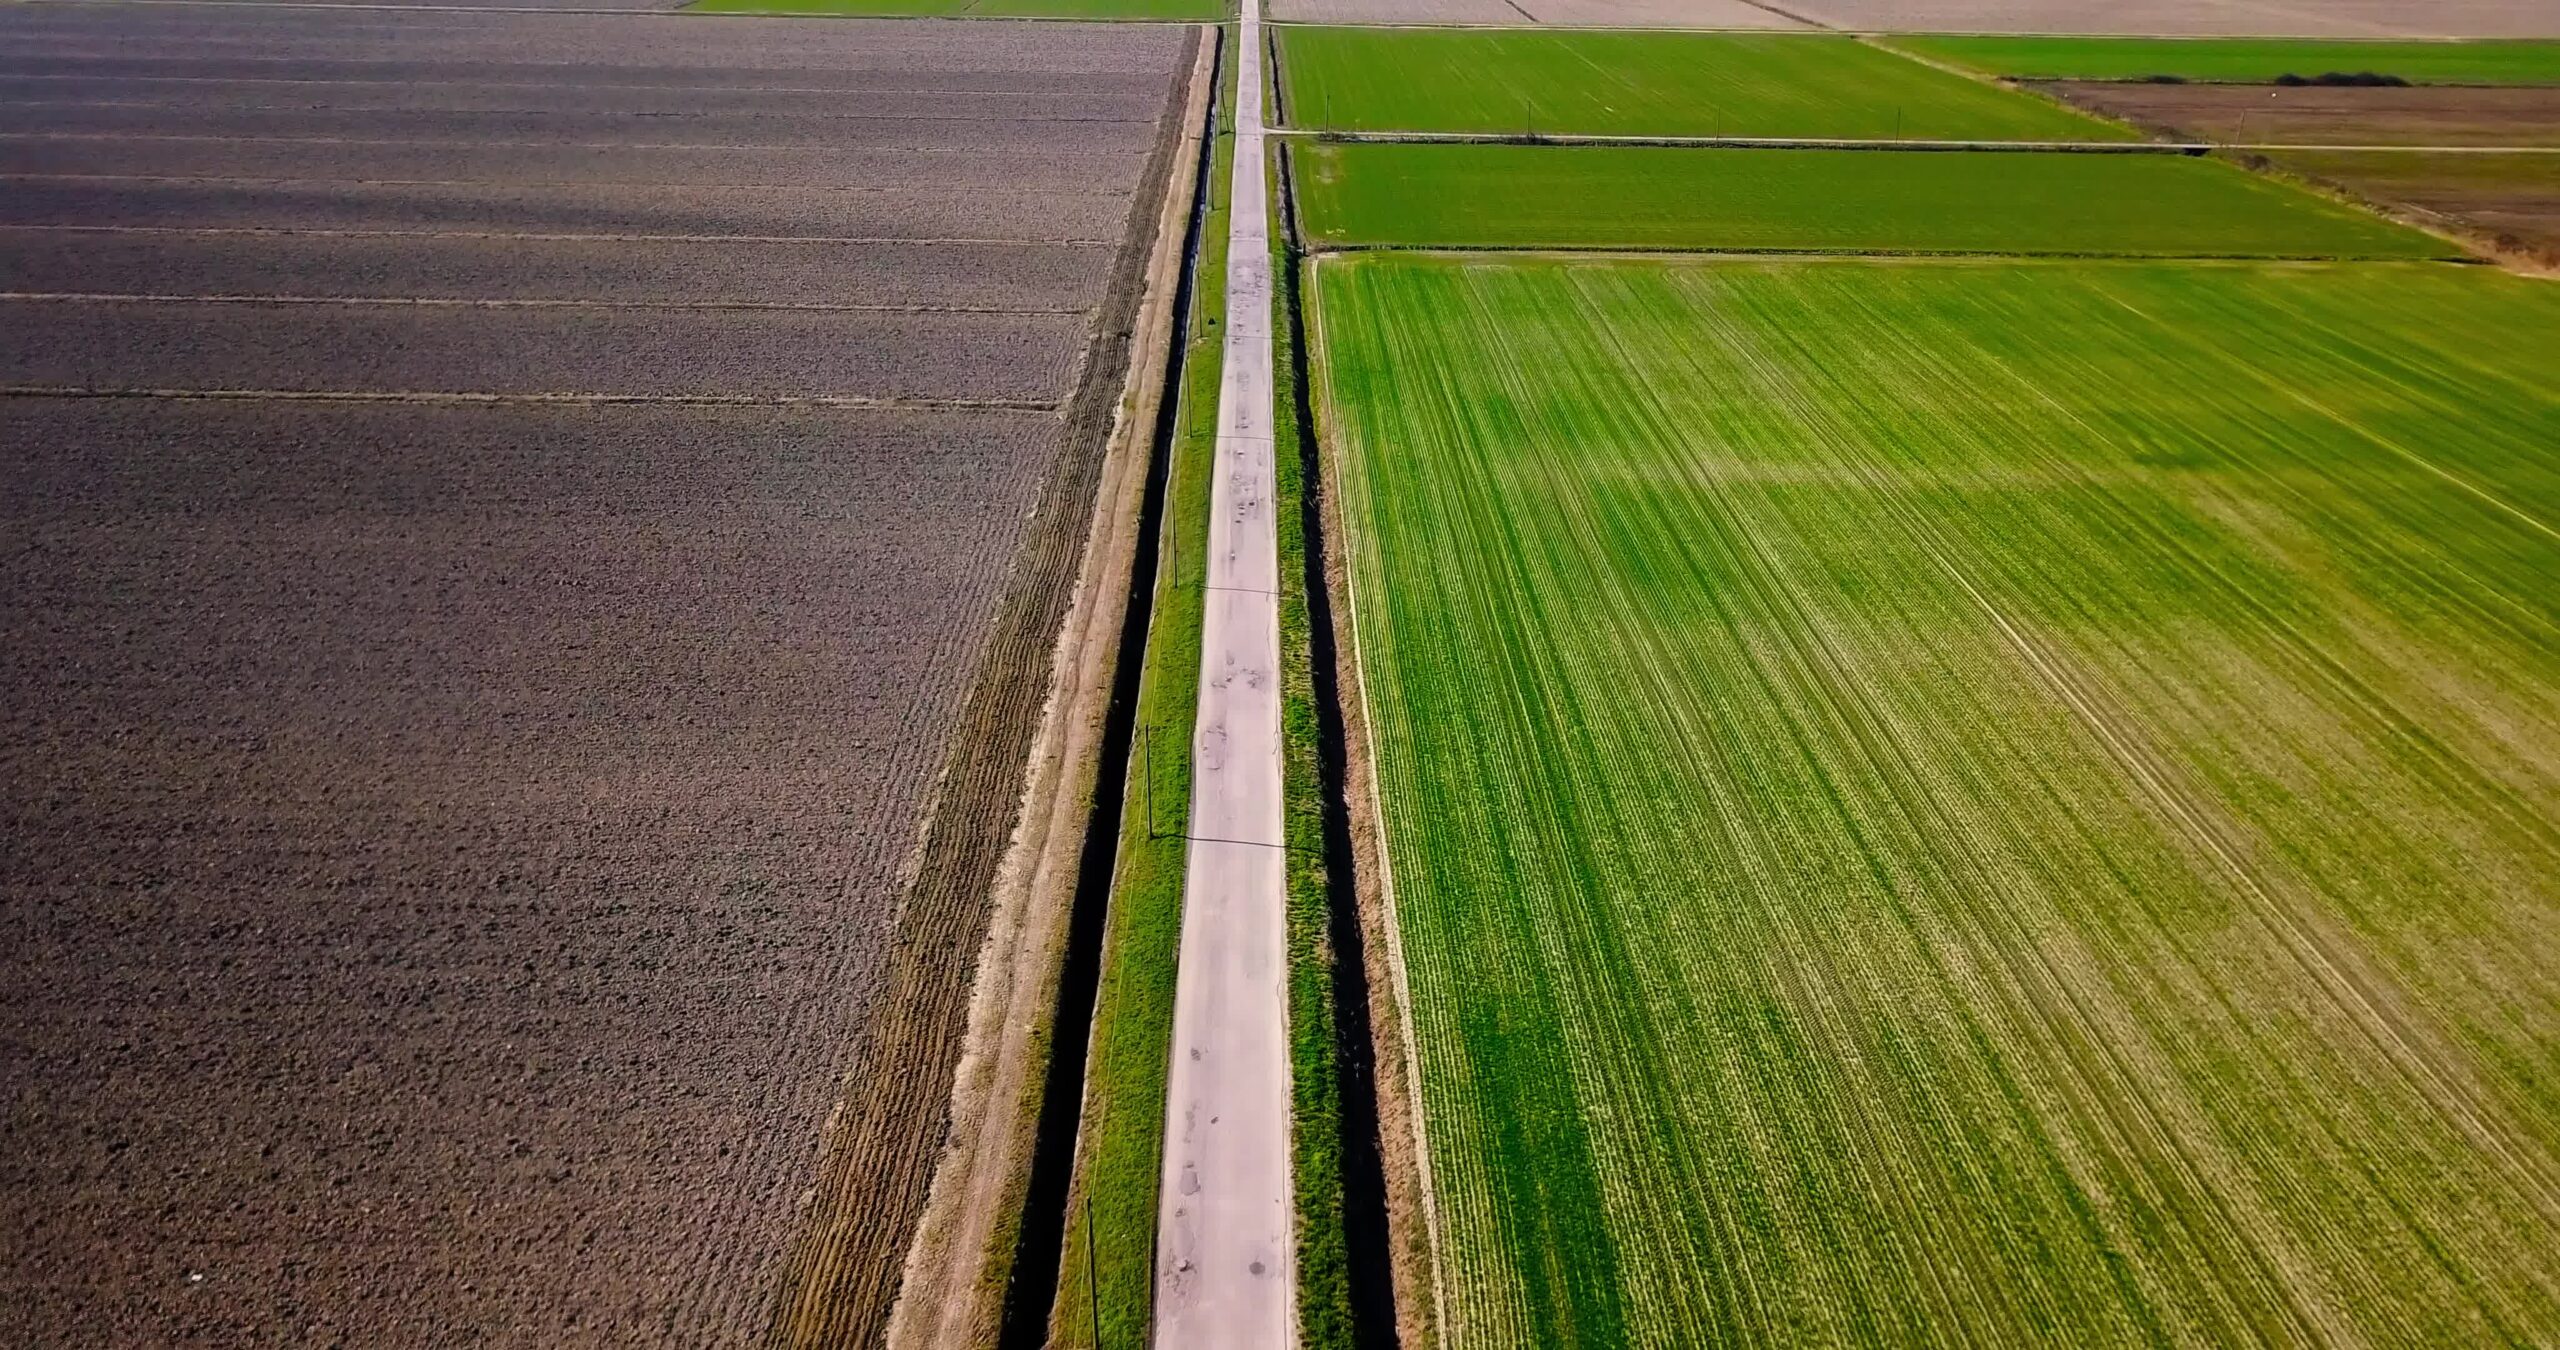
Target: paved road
x=1226 y=1268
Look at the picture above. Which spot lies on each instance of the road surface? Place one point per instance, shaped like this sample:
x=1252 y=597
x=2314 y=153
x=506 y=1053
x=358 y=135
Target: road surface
x=1226 y=1261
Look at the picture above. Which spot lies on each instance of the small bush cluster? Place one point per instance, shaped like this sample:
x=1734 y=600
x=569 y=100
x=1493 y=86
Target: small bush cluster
x=2362 y=79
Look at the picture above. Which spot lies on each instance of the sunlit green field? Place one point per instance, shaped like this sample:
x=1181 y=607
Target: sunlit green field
x=1887 y=201
x=1953 y=803
x=1648 y=84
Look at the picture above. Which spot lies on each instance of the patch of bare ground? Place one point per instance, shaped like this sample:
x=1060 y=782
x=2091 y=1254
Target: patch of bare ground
x=965 y=1246
x=2505 y=205
x=456 y=851
x=993 y=883
x=2326 y=114
x=2193 y=18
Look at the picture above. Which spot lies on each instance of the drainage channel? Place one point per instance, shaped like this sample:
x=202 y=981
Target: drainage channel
x=1032 y=1288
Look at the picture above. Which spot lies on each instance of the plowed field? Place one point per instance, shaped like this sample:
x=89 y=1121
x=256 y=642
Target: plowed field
x=529 y=557
x=1959 y=804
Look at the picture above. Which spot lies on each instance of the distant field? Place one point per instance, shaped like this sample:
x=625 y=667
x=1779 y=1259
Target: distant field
x=2318 y=115
x=1944 y=804
x=1516 y=196
x=1647 y=84
x=2243 y=60
x=1186 y=10
x=2512 y=199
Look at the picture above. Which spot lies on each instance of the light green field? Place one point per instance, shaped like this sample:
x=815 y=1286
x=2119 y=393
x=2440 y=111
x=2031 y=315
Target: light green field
x=1529 y=196
x=2243 y=60
x=1203 y=11
x=1647 y=84
x=1946 y=803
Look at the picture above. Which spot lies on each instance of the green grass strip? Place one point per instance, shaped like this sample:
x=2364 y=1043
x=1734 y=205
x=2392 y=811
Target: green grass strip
x=1513 y=196
x=1324 y=1274
x=1648 y=84
x=2242 y=60
x=1121 y=1146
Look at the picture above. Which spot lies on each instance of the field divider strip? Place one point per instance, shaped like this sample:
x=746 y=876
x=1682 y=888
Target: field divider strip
x=700 y=147
x=300 y=180
x=284 y=231
x=565 y=399
x=454 y=302
x=1562 y=138
x=179 y=106
x=447 y=82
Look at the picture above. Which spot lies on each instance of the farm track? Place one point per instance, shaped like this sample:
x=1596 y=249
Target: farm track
x=2216 y=1096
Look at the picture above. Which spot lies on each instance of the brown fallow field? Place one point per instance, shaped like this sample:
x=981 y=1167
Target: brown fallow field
x=530 y=548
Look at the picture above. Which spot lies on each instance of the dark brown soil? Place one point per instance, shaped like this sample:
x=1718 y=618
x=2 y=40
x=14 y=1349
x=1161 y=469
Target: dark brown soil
x=452 y=857
x=2510 y=203
x=2327 y=115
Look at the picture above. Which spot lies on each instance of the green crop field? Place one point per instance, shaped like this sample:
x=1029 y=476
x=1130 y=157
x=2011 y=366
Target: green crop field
x=1943 y=803
x=1648 y=84
x=1202 y=11
x=2243 y=60
x=1529 y=196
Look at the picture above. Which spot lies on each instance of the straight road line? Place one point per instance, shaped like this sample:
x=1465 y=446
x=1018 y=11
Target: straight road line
x=700 y=147
x=1226 y=1265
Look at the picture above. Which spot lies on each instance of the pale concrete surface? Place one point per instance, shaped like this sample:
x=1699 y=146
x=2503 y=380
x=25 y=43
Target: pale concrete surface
x=1226 y=1260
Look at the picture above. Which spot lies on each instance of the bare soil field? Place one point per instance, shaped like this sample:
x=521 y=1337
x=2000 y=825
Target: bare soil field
x=2511 y=203
x=2193 y=18
x=1558 y=13
x=454 y=854
x=2327 y=115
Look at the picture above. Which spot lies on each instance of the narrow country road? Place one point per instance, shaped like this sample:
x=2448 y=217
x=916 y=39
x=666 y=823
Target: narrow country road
x=1226 y=1261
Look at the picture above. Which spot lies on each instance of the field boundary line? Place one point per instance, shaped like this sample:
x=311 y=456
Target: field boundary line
x=859 y=402
x=700 y=147
x=315 y=180
x=176 y=105
x=1403 y=991
x=1630 y=140
x=287 y=231
x=457 y=302
x=1774 y=254
x=446 y=81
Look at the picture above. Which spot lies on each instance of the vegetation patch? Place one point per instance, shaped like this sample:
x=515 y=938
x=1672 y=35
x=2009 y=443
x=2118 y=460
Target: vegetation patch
x=1953 y=804
x=2242 y=60
x=1647 y=84
x=1511 y=196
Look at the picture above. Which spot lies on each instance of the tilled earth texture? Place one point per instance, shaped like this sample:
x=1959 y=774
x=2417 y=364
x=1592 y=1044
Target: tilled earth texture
x=2329 y=115
x=517 y=534
x=2194 y=18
